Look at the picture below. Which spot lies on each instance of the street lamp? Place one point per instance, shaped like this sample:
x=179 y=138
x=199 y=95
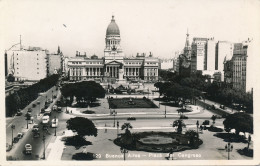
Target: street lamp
x=28 y=117
x=114 y=114
x=165 y=112
x=12 y=127
x=55 y=125
x=117 y=125
x=197 y=127
x=229 y=148
x=123 y=150
x=43 y=139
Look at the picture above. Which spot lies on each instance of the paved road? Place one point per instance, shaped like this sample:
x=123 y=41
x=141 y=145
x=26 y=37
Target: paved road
x=21 y=126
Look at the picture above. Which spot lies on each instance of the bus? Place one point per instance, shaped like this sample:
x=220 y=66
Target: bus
x=54 y=122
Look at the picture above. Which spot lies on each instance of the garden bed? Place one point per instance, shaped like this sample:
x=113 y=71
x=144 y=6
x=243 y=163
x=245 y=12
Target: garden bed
x=158 y=142
x=131 y=103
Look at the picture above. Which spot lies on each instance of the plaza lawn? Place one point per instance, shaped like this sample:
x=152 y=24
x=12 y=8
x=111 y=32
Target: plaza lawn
x=131 y=103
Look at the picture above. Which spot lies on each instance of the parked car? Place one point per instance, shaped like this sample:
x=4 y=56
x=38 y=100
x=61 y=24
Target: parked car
x=29 y=109
x=28 y=149
x=20 y=135
x=8 y=147
x=34 y=105
x=131 y=118
x=54 y=96
x=19 y=113
x=38 y=102
x=222 y=107
x=16 y=139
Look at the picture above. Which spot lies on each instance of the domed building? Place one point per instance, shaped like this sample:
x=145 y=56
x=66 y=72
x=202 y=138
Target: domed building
x=113 y=66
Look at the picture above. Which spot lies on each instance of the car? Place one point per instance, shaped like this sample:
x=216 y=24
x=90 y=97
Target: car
x=8 y=147
x=47 y=114
x=16 y=139
x=131 y=118
x=20 y=135
x=222 y=107
x=19 y=113
x=54 y=108
x=27 y=114
x=33 y=105
x=29 y=109
x=54 y=96
x=42 y=110
x=35 y=127
x=28 y=149
x=38 y=102
x=36 y=134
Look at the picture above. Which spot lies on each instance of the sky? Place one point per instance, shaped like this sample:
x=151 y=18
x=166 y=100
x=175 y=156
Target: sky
x=157 y=26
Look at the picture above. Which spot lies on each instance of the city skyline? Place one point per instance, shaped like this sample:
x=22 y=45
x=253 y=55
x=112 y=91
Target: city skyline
x=81 y=26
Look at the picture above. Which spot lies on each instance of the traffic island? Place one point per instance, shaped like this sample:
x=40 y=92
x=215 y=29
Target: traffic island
x=161 y=142
x=131 y=103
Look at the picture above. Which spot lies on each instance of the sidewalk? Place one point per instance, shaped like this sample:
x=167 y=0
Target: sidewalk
x=56 y=148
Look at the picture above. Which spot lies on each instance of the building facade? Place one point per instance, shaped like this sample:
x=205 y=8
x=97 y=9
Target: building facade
x=113 y=62
x=55 y=62
x=27 y=64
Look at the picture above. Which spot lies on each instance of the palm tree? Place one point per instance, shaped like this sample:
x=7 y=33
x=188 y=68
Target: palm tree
x=126 y=138
x=180 y=124
x=126 y=126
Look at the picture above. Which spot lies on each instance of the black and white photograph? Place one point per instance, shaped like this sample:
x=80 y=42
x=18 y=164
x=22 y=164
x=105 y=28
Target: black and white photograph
x=117 y=82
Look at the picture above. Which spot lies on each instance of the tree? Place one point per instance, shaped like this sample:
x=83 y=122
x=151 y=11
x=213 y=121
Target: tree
x=240 y=121
x=10 y=78
x=214 y=117
x=126 y=127
x=86 y=91
x=179 y=124
x=83 y=126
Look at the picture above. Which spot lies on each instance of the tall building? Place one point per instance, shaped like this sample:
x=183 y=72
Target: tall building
x=113 y=62
x=242 y=75
x=210 y=54
x=199 y=54
x=27 y=64
x=224 y=51
x=55 y=63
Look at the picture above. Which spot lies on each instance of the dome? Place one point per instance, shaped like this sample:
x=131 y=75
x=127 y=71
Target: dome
x=112 y=28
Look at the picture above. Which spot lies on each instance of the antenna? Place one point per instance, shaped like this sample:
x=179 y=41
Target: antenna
x=20 y=42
